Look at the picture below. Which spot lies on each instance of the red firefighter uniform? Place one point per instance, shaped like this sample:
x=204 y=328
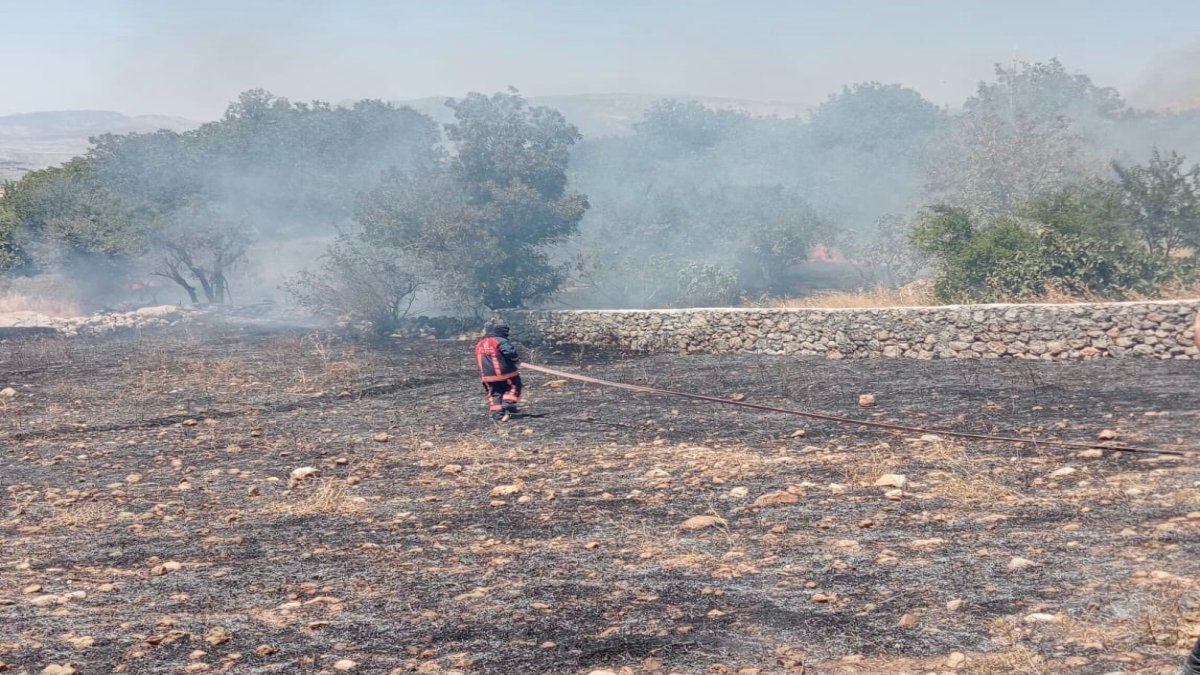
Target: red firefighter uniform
x=498 y=362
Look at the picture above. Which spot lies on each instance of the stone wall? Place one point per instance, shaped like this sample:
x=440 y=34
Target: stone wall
x=1161 y=330
x=99 y=324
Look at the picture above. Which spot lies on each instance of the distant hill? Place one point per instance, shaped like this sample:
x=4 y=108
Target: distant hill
x=37 y=140
x=60 y=124
x=615 y=114
x=40 y=139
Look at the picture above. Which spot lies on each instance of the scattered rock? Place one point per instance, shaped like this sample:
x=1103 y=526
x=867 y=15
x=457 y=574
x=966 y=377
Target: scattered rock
x=866 y=400
x=56 y=669
x=452 y=468
x=701 y=522
x=8 y=392
x=300 y=474
x=956 y=660
x=739 y=492
x=954 y=605
x=45 y=601
x=799 y=433
x=31 y=588
x=82 y=642
x=381 y=438
x=1065 y=471
x=930 y=438
x=555 y=384
x=264 y=650
x=475 y=594
x=157 y=310
x=776 y=499
x=506 y=490
x=1107 y=435
x=909 y=621
x=894 y=495
x=217 y=636
x=927 y=544
x=1040 y=617
x=344 y=665
x=737 y=397
x=895 y=480
x=1019 y=563
x=1092 y=453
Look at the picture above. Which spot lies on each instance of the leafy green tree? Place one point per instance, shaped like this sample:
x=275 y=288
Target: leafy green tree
x=70 y=215
x=10 y=252
x=867 y=151
x=187 y=206
x=197 y=244
x=1068 y=243
x=687 y=126
x=1023 y=135
x=487 y=217
x=360 y=282
x=969 y=256
x=1162 y=199
x=889 y=259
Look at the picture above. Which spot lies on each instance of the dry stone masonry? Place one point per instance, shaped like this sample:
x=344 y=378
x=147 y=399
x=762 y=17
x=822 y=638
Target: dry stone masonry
x=100 y=324
x=1162 y=330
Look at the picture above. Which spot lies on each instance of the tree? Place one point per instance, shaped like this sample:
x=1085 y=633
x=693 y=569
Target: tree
x=1163 y=202
x=1068 y=242
x=687 y=126
x=360 y=283
x=186 y=206
x=199 y=244
x=69 y=218
x=889 y=258
x=486 y=218
x=10 y=252
x=1024 y=135
x=767 y=229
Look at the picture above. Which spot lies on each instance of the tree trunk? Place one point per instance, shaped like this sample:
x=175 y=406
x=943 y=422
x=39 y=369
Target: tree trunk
x=174 y=275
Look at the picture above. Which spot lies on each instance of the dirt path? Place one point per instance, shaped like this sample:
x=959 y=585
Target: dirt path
x=148 y=524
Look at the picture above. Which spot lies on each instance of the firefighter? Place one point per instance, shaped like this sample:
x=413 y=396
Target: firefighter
x=498 y=362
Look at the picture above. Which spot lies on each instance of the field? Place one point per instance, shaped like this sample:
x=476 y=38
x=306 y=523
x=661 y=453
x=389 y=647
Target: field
x=151 y=523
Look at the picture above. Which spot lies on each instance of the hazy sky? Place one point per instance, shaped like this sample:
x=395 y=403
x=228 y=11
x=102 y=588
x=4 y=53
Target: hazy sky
x=190 y=58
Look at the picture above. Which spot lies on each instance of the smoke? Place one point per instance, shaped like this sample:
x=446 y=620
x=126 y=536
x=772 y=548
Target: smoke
x=1171 y=83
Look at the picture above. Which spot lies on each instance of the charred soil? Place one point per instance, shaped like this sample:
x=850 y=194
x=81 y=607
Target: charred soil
x=152 y=521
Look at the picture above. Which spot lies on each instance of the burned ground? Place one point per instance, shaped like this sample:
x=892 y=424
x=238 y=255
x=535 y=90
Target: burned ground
x=149 y=524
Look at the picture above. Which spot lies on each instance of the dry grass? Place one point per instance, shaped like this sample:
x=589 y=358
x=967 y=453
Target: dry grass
x=875 y=462
x=921 y=295
x=322 y=498
x=86 y=514
x=877 y=297
x=964 y=480
x=13 y=301
x=1019 y=661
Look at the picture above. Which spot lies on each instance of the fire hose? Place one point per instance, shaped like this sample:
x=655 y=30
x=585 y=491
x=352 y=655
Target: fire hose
x=849 y=420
